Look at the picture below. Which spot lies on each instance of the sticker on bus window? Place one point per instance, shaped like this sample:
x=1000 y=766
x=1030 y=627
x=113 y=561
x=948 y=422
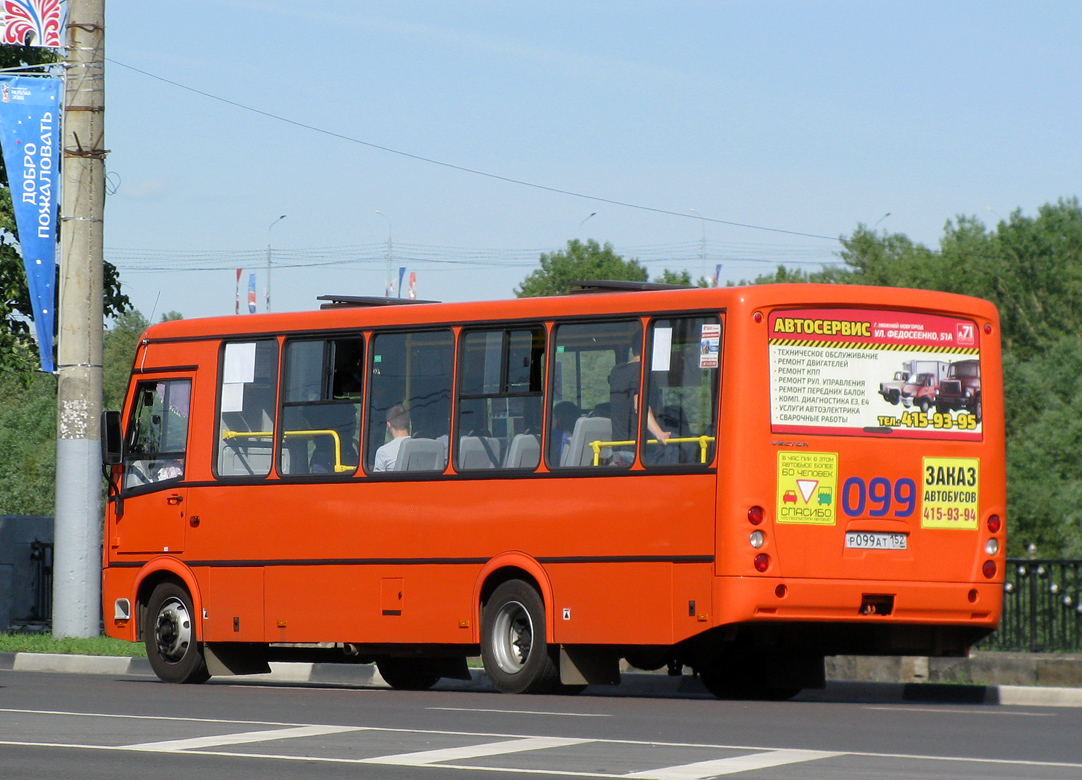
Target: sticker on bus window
x=852 y=371
x=807 y=487
x=950 y=488
x=710 y=346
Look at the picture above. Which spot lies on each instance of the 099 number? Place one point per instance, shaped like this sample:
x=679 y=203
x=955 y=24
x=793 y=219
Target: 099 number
x=880 y=495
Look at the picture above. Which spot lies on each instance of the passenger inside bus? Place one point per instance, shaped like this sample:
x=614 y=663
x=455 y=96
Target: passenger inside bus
x=564 y=414
x=398 y=425
x=624 y=404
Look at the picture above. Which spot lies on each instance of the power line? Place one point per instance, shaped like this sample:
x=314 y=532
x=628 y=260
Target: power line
x=461 y=168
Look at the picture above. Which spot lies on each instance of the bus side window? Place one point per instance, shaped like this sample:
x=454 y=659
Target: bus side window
x=500 y=399
x=593 y=417
x=157 y=433
x=248 y=401
x=682 y=389
x=413 y=371
x=321 y=406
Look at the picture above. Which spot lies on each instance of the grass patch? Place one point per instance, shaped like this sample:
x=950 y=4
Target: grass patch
x=46 y=643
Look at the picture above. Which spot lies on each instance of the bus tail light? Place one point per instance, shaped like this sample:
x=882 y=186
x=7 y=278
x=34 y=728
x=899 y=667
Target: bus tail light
x=756 y=515
x=991 y=546
x=757 y=539
x=762 y=562
x=973 y=596
x=780 y=591
x=994 y=524
x=989 y=569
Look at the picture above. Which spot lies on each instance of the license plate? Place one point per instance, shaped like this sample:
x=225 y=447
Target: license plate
x=869 y=540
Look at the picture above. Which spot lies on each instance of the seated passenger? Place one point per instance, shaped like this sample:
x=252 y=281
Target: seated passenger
x=564 y=415
x=398 y=423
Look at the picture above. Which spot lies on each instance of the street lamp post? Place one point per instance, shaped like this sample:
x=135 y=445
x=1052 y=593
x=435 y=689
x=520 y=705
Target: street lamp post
x=272 y=224
x=390 y=256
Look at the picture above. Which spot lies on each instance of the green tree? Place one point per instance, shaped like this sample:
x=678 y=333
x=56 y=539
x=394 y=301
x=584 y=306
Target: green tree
x=27 y=443
x=579 y=262
x=682 y=278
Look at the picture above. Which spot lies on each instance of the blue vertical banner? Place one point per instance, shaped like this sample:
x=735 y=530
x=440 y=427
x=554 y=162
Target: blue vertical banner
x=30 y=136
x=401 y=275
x=251 y=293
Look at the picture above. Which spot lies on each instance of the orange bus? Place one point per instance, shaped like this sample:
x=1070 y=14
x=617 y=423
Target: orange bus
x=711 y=478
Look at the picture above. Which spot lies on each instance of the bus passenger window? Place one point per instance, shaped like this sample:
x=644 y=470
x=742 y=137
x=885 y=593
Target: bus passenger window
x=157 y=433
x=593 y=417
x=682 y=390
x=247 y=398
x=321 y=406
x=411 y=371
x=500 y=398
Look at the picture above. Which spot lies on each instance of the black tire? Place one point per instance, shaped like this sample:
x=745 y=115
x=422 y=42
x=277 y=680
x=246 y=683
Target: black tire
x=924 y=404
x=169 y=634
x=895 y=397
x=516 y=655
x=978 y=409
x=942 y=409
x=731 y=677
x=407 y=674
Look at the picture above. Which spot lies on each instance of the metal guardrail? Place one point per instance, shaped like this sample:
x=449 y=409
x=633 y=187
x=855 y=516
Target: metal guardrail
x=1042 y=607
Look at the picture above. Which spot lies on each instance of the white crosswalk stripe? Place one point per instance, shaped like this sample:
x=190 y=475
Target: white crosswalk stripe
x=247 y=737
x=701 y=770
x=425 y=757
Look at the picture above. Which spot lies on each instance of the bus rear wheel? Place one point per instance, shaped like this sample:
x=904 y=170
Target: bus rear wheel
x=174 y=653
x=407 y=674
x=516 y=655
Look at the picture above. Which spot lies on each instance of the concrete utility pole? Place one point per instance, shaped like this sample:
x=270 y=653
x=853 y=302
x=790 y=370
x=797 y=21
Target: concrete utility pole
x=77 y=555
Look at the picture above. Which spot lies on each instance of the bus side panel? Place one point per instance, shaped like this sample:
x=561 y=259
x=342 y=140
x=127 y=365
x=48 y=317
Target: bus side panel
x=370 y=603
x=233 y=604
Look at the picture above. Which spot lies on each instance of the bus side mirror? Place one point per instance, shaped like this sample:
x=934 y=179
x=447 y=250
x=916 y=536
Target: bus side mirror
x=112 y=439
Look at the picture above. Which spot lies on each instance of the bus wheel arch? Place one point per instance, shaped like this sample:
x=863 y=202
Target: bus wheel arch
x=512 y=566
x=153 y=575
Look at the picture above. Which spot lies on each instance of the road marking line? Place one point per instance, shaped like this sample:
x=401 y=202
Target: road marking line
x=523 y=712
x=964 y=712
x=424 y=757
x=248 y=737
x=728 y=766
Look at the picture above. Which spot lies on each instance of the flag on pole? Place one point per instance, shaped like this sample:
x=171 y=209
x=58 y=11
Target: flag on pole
x=717 y=274
x=29 y=134
x=401 y=274
x=251 y=293
x=236 y=308
x=413 y=286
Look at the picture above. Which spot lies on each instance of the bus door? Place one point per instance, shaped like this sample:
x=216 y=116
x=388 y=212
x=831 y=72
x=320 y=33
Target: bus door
x=155 y=457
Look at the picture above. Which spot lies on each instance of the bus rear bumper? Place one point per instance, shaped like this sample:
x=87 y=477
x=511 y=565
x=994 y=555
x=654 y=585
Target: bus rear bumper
x=935 y=618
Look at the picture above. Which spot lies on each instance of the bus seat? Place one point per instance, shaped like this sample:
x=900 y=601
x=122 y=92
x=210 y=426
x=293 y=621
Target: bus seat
x=420 y=455
x=473 y=454
x=241 y=460
x=524 y=452
x=587 y=429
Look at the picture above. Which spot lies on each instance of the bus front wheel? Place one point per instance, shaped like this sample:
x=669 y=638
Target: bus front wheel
x=169 y=633
x=516 y=655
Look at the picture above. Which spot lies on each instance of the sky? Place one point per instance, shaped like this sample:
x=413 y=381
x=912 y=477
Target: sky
x=469 y=137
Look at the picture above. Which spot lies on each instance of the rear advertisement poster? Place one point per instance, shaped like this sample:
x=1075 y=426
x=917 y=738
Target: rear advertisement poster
x=857 y=371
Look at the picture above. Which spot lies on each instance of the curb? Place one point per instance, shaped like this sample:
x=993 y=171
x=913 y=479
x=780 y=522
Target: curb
x=635 y=684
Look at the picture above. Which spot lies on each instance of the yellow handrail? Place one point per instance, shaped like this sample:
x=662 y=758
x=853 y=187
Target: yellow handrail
x=703 y=441
x=338 y=467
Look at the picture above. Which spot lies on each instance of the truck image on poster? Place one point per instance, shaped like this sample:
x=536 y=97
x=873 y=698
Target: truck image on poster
x=845 y=371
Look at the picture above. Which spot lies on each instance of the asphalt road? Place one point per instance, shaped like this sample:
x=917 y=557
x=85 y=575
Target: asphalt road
x=86 y=727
